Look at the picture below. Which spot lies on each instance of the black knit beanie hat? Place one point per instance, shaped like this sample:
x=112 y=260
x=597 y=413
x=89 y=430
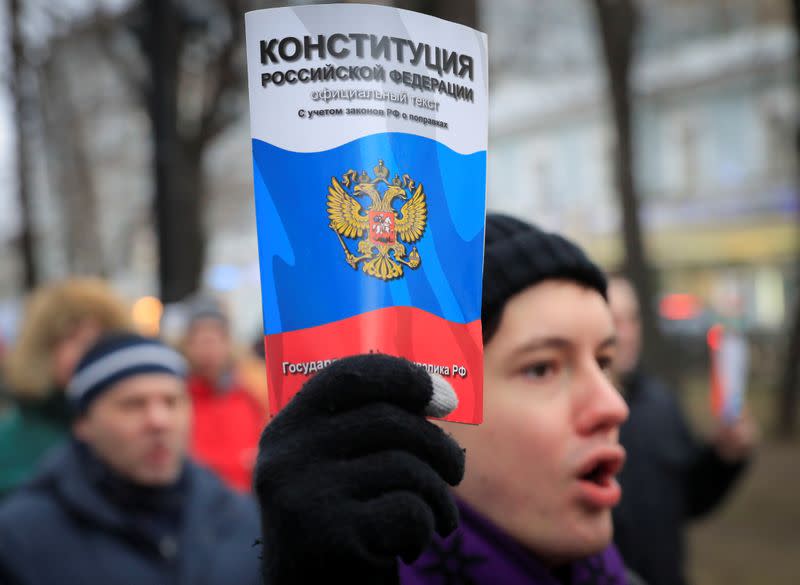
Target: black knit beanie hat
x=518 y=255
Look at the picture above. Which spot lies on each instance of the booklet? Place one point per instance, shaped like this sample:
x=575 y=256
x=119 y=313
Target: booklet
x=730 y=361
x=369 y=133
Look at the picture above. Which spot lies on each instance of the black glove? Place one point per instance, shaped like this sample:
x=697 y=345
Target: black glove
x=350 y=475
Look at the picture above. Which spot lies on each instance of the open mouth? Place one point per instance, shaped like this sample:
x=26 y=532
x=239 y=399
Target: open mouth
x=597 y=482
x=602 y=473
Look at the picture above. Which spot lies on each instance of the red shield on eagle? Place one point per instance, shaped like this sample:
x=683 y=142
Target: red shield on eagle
x=381 y=227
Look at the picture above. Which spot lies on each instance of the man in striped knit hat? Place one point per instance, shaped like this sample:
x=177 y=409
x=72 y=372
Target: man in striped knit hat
x=121 y=503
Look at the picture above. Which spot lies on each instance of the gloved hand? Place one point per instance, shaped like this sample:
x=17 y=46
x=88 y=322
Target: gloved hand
x=350 y=475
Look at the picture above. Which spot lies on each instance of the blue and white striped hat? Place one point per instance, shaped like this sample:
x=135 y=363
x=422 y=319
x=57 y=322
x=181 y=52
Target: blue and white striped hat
x=118 y=356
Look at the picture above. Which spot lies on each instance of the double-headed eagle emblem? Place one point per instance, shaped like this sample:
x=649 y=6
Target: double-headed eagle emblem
x=382 y=228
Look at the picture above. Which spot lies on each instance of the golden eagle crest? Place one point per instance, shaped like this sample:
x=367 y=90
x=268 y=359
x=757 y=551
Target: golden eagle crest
x=382 y=228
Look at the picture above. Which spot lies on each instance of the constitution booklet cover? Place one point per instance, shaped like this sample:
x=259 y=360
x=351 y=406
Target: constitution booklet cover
x=369 y=134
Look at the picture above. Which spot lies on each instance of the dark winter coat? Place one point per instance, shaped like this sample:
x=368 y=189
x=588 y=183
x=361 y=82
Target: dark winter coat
x=77 y=523
x=28 y=430
x=669 y=478
x=480 y=553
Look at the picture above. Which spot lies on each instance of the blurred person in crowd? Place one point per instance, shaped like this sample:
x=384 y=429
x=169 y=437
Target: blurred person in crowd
x=351 y=475
x=670 y=476
x=121 y=503
x=227 y=418
x=61 y=320
x=252 y=368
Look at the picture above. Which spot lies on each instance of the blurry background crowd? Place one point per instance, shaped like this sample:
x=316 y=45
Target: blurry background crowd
x=662 y=136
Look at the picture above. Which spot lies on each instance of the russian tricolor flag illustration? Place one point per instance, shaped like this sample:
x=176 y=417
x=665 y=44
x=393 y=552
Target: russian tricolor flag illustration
x=318 y=306
x=369 y=166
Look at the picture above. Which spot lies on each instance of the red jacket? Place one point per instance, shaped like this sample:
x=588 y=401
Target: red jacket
x=226 y=428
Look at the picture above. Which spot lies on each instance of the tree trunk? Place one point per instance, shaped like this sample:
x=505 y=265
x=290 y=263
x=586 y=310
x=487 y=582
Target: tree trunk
x=790 y=381
x=70 y=171
x=19 y=86
x=181 y=241
x=85 y=248
x=617 y=23
x=461 y=11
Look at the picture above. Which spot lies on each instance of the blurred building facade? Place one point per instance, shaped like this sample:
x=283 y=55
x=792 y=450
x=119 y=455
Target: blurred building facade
x=715 y=116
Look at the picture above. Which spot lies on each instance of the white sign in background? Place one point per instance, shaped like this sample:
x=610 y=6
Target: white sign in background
x=423 y=88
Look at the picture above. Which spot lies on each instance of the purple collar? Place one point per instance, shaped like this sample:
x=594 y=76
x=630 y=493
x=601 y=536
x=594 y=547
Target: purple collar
x=479 y=553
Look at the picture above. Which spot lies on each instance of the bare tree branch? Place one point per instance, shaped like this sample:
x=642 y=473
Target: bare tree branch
x=21 y=111
x=618 y=22
x=225 y=76
x=129 y=70
x=106 y=28
x=71 y=175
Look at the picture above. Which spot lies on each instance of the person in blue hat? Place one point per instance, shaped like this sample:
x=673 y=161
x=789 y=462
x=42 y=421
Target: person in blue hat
x=122 y=503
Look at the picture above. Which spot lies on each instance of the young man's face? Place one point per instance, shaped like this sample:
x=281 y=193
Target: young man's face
x=542 y=464
x=140 y=428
